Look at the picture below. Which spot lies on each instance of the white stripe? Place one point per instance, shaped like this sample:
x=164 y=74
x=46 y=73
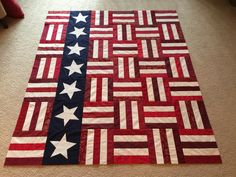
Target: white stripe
x=101 y=29
x=97 y=15
x=122 y=107
x=184 y=114
x=159 y=108
x=158 y=146
x=135 y=115
x=88 y=109
x=95 y=49
x=150 y=89
x=52 y=67
x=131 y=67
x=41 y=85
x=93 y=92
x=58 y=15
x=173 y=44
x=165 y=32
x=128 y=32
x=89 y=147
x=146 y=29
x=153 y=71
x=161 y=89
x=197 y=138
x=127 y=52
x=175 y=32
x=104 y=89
x=104 y=71
x=130 y=138
x=131 y=152
x=149 y=17
x=49 y=52
x=147 y=35
x=105 y=48
x=154 y=49
x=125 y=45
x=159 y=14
x=200 y=151
x=41 y=68
x=151 y=63
x=100 y=63
x=28 y=140
x=144 y=47
x=101 y=35
x=186 y=93
x=57 y=20
x=128 y=93
x=140 y=17
x=50 y=32
x=103 y=146
x=25 y=153
x=183 y=84
x=59 y=32
x=153 y=120
x=123 y=20
x=121 y=67
x=119 y=32
x=173 y=67
x=51 y=45
x=42 y=115
x=175 y=51
x=99 y=120
x=171 y=145
x=106 y=17
x=123 y=15
x=28 y=117
x=127 y=84
x=40 y=94
x=167 y=20
x=197 y=115
x=184 y=67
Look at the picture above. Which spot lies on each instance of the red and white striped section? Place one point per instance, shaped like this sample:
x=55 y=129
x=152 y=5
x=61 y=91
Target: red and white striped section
x=172 y=48
x=98 y=115
x=152 y=68
x=165 y=147
x=128 y=89
x=147 y=32
x=99 y=18
x=50 y=49
x=124 y=32
x=123 y=17
x=145 y=17
x=58 y=17
x=46 y=68
x=129 y=114
x=180 y=67
x=185 y=90
x=35 y=90
x=159 y=115
x=166 y=17
x=125 y=49
x=101 y=33
x=98 y=89
x=94 y=146
x=100 y=49
x=150 y=48
x=29 y=150
x=170 y=31
x=126 y=67
x=100 y=68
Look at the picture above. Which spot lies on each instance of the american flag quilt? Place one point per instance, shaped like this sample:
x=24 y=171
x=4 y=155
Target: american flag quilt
x=112 y=87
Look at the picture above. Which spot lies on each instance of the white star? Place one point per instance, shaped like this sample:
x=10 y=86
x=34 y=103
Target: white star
x=62 y=146
x=70 y=89
x=78 y=31
x=80 y=18
x=74 y=68
x=67 y=114
x=75 y=49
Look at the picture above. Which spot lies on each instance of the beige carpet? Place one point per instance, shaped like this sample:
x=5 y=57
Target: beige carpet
x=210 y=30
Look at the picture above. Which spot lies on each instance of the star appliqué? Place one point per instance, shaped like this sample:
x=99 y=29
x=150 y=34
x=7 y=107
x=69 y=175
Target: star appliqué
x=67 y=115
x=74 y=68
x=80 y=18
x=75 y=49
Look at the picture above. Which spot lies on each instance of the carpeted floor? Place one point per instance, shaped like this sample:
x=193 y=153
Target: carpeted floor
x=209 y=28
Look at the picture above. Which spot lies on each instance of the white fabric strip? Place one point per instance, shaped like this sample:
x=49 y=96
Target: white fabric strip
x=122 y=106
x=104 y=89
x=131 y=67
x=103 y=146
x=159 y=108
x=171 y=145
x=121 y=67
x=184 y=114
x=131 y=152
x=173 y=67
x=154 y=48
x=95 y=48
x=42 y=64
x=130 y=138
x=184 y=66
x=100 y=120
x=25 y=153
x=89 y=147
x=158 y=146
x=50 y=32
x=200 y=151
x=105 y=48
x=197 y=138
x=28 y=140
x=161 y=89
x=197 y=115
x=42 y=115
x=93 y=91
x=135 y=115
x=90 y=109
x=28 y=116
x=52 y=67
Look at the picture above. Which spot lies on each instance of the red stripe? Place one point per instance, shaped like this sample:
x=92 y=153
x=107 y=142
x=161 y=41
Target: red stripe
x=96 y=150
x=83 y=144
x=43 y=89
x=202 y=159
x=23 y=161
x=164 y=144
x=38 y=146
x=131 y=159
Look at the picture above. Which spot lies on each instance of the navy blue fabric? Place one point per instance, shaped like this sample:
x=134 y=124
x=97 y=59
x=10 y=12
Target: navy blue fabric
x=73 y=128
